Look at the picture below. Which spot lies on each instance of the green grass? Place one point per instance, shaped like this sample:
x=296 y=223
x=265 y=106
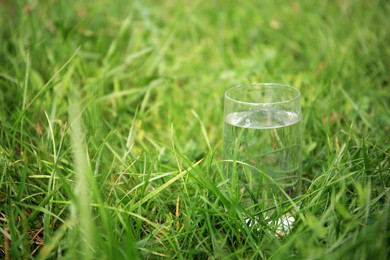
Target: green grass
x=111 y=126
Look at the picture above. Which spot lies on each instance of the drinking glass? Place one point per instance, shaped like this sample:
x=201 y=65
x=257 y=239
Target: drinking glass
x=262 y=144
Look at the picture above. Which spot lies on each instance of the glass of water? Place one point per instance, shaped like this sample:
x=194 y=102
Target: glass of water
x=262 y=144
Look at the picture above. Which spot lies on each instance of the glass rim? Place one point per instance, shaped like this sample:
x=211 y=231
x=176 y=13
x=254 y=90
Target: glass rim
x=277 y=85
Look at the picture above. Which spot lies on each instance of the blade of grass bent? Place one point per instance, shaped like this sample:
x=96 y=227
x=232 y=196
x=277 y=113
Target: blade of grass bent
x=165 y=185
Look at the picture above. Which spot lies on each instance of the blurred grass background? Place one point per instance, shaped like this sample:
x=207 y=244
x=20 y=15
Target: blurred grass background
x=111 y=126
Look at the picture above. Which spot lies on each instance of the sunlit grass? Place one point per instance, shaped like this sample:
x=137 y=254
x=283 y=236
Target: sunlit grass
x=111 y=127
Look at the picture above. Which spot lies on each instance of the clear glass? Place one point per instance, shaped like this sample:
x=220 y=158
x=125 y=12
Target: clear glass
x=262 y=144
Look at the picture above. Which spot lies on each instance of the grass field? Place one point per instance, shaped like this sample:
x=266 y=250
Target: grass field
x=112 y=119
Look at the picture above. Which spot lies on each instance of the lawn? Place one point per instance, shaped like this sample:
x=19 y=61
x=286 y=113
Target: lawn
x=111 y=127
